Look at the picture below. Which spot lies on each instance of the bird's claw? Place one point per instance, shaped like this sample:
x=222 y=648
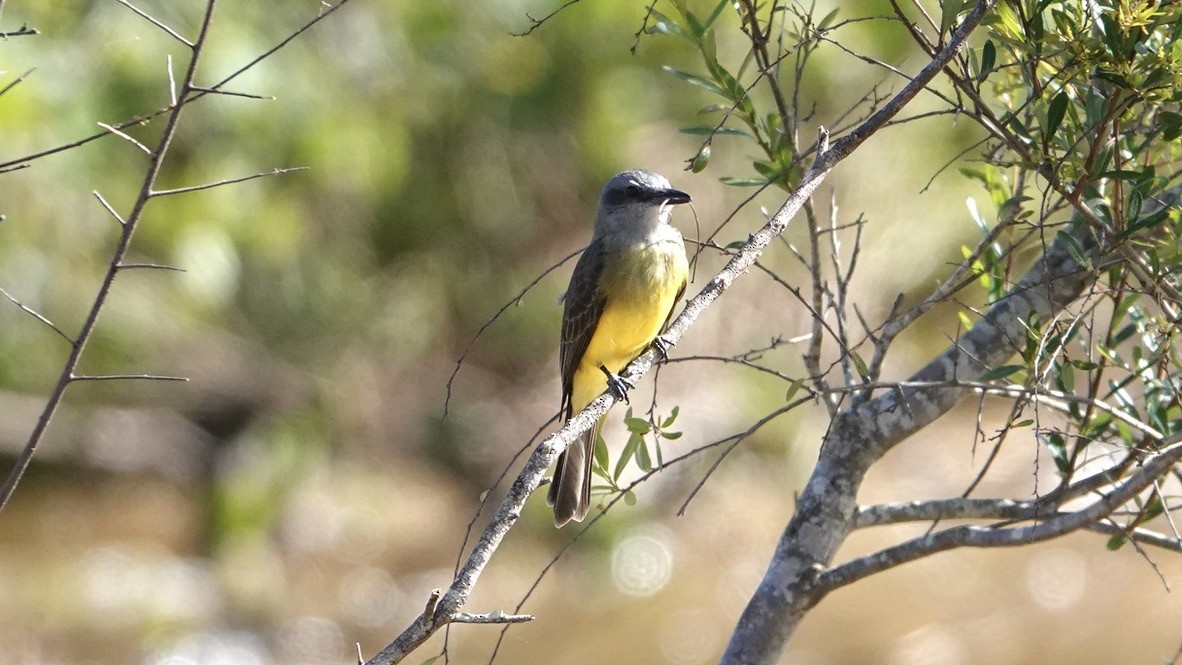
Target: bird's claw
x=662 y=345
x=618 y=385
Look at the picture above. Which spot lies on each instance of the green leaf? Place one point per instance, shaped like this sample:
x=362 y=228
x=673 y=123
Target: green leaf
x=1058 y=448
x=714 y=131
x=722 y=4
x=1116 y=542
x=710 y=47
x=629 y=498
x=637 y=425
x=743 y=182
x=1075 y=249
x=626 y=455
x=860 y=365
x=700 y=160
x=696 y=80
x=1055 y=113
x=793 y=388
x=1065 y=377
x=642 y=459
x=988 y=57
x=949 y=10
x=1025 y=423
x=672 y=417
x=671 y=435
x=1001 y=372
x=1171 y=124
x=601 y=460
x=828 y=20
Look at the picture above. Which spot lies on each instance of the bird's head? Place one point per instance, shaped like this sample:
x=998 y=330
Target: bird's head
x=637 y=199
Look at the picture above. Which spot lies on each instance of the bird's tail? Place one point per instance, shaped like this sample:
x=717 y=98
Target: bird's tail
x=570 y=492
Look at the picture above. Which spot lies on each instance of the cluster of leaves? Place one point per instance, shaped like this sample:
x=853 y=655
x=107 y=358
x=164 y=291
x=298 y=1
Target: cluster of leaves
x=1084 y=99
x=780 y=160
x=644 y=445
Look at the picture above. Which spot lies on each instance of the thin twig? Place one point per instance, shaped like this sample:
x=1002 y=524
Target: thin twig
x=228 y=181
x=159 y=24
x=37 y=315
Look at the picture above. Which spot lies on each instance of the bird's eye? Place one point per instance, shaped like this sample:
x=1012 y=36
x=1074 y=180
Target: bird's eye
x=633 y=191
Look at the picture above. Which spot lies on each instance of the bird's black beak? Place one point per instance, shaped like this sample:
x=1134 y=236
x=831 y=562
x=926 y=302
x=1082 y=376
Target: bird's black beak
x=674 y=196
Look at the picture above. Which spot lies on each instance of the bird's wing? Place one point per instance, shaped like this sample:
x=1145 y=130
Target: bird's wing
x=584 y=305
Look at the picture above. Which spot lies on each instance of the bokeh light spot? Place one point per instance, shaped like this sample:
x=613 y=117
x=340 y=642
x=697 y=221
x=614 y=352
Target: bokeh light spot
x=1055 y=579
x=642 y=563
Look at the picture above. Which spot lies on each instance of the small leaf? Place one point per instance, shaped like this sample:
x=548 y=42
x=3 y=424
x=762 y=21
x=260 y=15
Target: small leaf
x=1001 y=372
x=988 y=57
x=828 y=20
x=743 y=182
x=700 y=160
x=630 y=498
x=716 y=131
x=696 y=80
x=860 y=365
x=1116 y=542
x=1171 y=124
x=601 y=460
x=626 y=455
x=1055 y=113
x=793 y=388
x=949 y=10
x=637 y=425
x=1024 y=423
x=1074 y=248
x=642 y=458
x=672 y=417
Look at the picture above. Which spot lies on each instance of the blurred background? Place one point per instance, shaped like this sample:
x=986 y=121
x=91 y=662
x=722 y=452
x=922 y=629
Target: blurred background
x=305 y=490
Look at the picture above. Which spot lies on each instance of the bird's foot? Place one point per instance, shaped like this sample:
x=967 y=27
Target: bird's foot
x=618 y=385
x=662 y=344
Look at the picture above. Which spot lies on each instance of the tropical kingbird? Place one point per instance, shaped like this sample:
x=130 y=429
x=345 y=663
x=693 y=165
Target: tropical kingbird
x=621 y=296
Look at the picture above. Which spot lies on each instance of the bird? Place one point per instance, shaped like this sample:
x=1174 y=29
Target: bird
x=621 y=297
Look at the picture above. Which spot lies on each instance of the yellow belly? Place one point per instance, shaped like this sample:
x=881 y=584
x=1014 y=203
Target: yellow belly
x=641 y=286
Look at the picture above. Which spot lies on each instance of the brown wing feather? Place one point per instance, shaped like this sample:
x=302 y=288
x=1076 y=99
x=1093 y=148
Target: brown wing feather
x=584 y=305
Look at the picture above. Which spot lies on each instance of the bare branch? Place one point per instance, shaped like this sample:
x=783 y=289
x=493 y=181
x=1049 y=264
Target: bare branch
x=536 y=23
x=231 y=93
x=37 y=315
x=976 y=536
x=109 y=208
x=23 y=31
x=125 y=136
x=173 y=33
x=228 y=181
x=17 y=80
x=492 y=617
x=149 y=266
x=127 y=377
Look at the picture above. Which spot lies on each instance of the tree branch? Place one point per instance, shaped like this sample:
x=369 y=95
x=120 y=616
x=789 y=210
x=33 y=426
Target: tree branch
x=978 y=536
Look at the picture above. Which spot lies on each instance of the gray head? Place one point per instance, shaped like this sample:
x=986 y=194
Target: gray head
x=636 y=200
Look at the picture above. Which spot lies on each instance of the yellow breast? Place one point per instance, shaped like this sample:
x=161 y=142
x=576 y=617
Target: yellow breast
x=641 y=284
